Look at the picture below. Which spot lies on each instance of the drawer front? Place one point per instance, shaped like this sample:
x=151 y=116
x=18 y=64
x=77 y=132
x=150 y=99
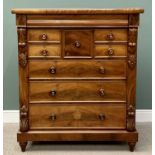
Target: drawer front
x=77 y=43
x=44 y=51
x=44 y=35
x=110 y=51
x=77 y=91
x=111 y=35
x=77 y=116
x=108 y=69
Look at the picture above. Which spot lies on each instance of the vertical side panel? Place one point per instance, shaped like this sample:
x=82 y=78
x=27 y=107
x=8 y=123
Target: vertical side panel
x=23 y=71
x=131 y=71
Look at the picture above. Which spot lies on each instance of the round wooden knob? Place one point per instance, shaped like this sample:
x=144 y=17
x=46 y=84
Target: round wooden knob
x=110 y=36
x=101 y=92
x=110 y=52
x=102 y=117
x=77 y=44
x=44 y=52
x=102 y=70
x=44 y=36
x=52 y=70
x=53 y=117
x=52 y=93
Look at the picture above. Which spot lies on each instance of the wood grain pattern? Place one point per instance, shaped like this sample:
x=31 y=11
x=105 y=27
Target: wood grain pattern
x=79 y=116
x=79 y=11
x=77 y=91
x=36 y=35
x=75 y=20
x=82 y=38
x=44 y=51
x=118 y=35
x=77 y=17
x=104 y=51
x=82 y=23
x=78 y=69
x=79 y=135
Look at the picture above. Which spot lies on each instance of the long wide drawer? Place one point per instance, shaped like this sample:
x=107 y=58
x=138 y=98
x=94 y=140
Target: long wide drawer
x=108 y=69
x=45 y=116
x=77 y=91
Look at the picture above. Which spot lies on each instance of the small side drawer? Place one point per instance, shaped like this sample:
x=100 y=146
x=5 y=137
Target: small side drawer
x=110 y=51
x=111 y=35
x=44 y=50
x=44 y=35
x=93 y=116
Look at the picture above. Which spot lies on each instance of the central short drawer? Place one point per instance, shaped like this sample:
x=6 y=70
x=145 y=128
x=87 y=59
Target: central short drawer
x=45 y=116
x=46 y=91
x=110 y=69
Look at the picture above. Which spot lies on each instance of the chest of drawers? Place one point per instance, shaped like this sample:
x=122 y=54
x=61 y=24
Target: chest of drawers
x=77 y=75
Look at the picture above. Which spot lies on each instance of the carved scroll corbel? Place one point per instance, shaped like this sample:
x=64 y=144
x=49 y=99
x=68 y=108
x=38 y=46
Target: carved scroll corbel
x=24 y=119
x=132 y=61
x=131 y=118
x=22 y=60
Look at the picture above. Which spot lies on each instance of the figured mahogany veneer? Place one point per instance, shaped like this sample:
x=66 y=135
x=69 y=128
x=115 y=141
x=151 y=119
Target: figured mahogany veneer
x=43 y=35
x=77 y=43
x=110 y=35
x=77 y=91
x=77 y=74
x=90 y=116
x=110 y=51
x=108 y=69
x=44 y=51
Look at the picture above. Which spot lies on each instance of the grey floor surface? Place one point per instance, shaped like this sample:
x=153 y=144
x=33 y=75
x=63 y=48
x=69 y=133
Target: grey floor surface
x=143 y=147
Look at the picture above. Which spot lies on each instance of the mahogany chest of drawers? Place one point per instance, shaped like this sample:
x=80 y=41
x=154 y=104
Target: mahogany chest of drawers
x=77 y=75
